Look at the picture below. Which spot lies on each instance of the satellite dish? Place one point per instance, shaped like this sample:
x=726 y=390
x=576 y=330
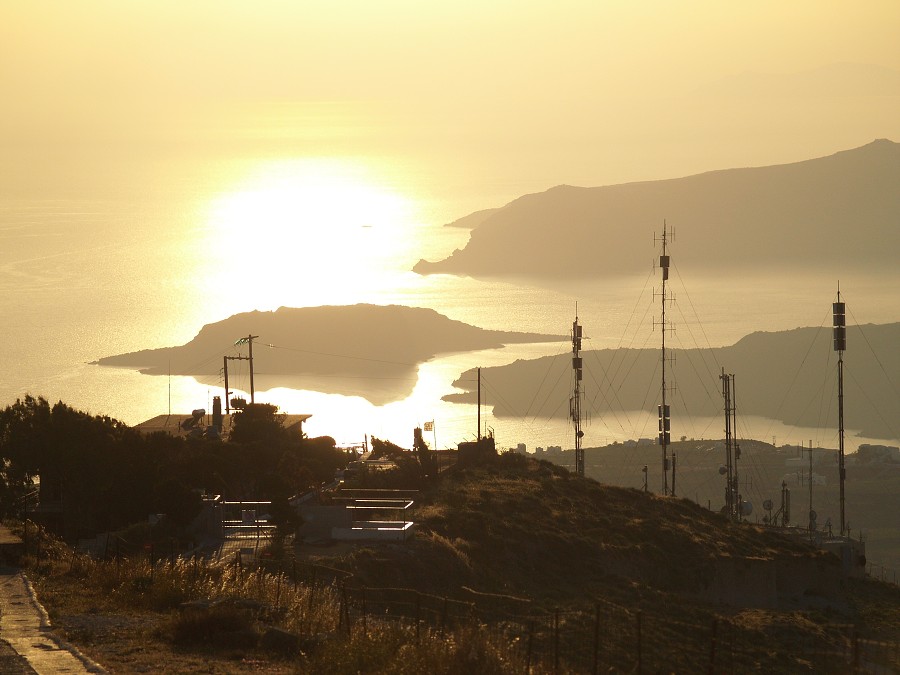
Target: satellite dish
x=746 y=508
x=813 y=515
x=722 y=470
x=767 y=505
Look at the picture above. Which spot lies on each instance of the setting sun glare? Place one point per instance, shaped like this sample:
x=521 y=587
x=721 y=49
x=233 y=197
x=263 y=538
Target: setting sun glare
x=315 y=221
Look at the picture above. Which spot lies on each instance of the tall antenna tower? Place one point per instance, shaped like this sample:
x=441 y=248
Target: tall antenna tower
x=575 y=401
x=668 y=234
x=840 y=344
x=732 y=451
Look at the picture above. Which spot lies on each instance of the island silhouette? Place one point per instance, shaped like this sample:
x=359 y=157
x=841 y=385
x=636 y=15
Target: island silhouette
x=784 y=375
x=372 y=351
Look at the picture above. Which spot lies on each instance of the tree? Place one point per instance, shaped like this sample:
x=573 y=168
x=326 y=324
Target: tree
x=258 y=422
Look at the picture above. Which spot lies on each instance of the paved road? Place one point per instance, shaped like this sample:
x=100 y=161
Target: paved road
x=27 y=644
x=11 y=662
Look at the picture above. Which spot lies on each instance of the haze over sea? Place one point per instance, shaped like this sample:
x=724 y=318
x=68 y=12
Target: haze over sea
x=116 y=252
x=166 y=165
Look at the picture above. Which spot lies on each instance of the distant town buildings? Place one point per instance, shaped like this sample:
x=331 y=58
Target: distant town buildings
x=522 y=449
x=876 y=454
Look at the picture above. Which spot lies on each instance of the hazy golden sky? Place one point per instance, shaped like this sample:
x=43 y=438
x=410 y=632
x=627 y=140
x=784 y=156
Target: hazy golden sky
x=572 y=84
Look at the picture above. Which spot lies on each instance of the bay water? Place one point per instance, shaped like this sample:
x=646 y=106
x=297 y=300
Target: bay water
x=106 y=256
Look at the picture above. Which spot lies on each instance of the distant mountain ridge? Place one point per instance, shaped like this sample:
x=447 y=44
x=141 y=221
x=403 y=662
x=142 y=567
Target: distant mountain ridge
x=839 y=210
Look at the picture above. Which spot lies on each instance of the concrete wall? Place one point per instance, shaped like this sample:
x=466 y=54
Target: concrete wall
x=319 y=520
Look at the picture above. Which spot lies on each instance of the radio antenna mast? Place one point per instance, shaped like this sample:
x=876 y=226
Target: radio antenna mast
x=575 y=401
x=840 y=344
x=664 y=420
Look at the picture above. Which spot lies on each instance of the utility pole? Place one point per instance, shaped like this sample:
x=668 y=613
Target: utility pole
x=249 y=341
x=785 y=504
x=478 y=435
x=736 y=449
x=227 y=393
x=812 y=514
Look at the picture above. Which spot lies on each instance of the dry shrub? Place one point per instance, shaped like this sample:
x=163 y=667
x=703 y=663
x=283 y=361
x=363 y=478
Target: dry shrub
x=222 y=625
x=454 y=547
x=393 y=649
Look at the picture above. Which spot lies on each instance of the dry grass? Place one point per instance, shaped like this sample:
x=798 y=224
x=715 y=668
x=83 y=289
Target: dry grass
x=131 y=618
x=515 y=529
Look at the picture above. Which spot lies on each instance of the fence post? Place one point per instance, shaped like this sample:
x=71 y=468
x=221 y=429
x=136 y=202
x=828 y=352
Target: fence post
x=556 y=640
x=855 y=651
x=712 y=648
x=639 y=664
x=311 y=590
x=346 y=604
x=530 y=643
x=342 y=609
x=418 y=614
x=444 y=616
x=596 y=668
x=364 y=612
x=731 y=644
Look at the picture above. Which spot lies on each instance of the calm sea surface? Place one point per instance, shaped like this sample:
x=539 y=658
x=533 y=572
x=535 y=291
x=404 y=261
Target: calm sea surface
x=104 y=257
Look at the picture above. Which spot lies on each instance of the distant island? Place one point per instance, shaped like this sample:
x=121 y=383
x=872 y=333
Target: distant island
x=786 y=375
x=840 y=209
x=365 y=350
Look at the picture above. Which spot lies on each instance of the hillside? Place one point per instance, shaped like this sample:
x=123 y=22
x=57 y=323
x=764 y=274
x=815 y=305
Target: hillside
x=786 y=375
x=515 y=566
x=837 y=210
x=521 y=536
x=343 y=345
x=871 y=484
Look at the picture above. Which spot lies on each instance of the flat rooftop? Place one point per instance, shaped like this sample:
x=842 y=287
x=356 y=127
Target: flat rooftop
x=174 y=424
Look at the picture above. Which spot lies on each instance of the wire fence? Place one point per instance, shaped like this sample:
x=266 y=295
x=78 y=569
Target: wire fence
x=600 y=637
x=876 y=570
x=613 y=638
